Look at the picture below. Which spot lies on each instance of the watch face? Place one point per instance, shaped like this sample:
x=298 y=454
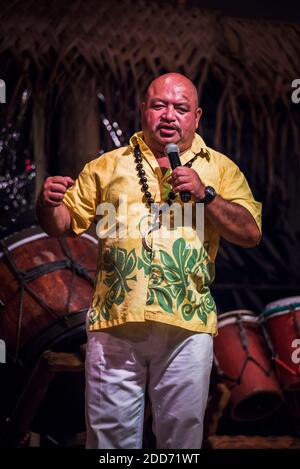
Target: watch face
x=210 y=191
x=210 y=194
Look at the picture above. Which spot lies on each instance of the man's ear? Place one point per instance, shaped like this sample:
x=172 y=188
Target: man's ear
x=142 y=111
x=198 y=116
x=142 y=106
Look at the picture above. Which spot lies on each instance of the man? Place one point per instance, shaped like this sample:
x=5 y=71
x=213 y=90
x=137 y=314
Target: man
x=152 y=316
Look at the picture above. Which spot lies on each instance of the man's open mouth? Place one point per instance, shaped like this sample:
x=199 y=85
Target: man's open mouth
x=167 y=130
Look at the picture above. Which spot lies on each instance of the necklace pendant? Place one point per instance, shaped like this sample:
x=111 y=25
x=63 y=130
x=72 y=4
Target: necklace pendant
x=146 y=245
x=147 y=239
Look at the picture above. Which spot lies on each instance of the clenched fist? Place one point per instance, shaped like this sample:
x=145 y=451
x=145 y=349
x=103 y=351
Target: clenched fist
x=186 y=179
x=54 y=189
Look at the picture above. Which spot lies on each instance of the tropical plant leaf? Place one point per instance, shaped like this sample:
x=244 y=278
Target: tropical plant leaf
x=181 y=297
x=145 y=262
x=193 y=259
x=164 y=299
x=150 y=297
x=93 y=316
x=168 y=261
x=172 y=276
x=117 y=279
x=169 y=281
x=130 y=262
x=203 y=316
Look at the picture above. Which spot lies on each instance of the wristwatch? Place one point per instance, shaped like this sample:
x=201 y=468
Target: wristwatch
x=210 y=194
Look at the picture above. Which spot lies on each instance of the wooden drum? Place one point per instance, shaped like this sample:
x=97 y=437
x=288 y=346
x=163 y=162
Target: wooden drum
x=243 y=363
x=46 y=289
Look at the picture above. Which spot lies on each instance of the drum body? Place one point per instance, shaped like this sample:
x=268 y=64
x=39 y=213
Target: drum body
x=46 y=286
x=282 y=322
x=242 y=362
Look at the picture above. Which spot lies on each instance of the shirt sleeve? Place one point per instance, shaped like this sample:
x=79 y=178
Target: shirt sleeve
x=82 y=200
x=235 y=188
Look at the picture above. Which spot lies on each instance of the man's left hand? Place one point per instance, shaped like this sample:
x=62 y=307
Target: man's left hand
x=186 y=179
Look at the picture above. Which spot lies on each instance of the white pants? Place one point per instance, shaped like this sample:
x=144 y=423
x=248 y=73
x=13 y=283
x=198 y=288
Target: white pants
x=173 y=362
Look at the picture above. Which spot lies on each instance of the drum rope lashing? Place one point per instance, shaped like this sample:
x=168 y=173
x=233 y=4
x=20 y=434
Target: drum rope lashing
x=79 y=269
x=23 y=280
x=244 y=341
x=75 y=268
x=267 y=338
x=274 y=356
x=24 y=277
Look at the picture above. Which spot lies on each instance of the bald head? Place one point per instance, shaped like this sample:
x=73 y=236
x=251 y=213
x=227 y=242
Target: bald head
x=176 y=80
x=170 y=112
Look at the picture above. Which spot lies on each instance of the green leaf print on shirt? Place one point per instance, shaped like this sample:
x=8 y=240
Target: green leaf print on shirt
x=118 y=265
x=176 y=282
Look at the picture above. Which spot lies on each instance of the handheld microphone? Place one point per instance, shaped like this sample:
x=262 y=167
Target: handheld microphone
x=172 y=152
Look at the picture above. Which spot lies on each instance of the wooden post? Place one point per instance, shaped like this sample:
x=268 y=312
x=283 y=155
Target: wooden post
x=79 y=129
x=38 y=125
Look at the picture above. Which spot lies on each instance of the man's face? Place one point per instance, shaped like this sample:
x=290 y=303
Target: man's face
x=170 y=113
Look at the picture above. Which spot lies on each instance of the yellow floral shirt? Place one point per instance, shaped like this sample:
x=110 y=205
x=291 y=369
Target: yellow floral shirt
x=166 y=276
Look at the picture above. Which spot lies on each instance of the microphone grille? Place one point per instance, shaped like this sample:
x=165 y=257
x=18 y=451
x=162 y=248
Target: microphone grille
x=171 y=148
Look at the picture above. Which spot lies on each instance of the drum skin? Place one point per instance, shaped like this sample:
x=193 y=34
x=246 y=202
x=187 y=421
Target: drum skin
x=282 y=322
x=46 y=289
x=245 y=367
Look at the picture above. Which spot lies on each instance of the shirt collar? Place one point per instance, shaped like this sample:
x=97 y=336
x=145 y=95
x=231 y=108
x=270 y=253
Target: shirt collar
x=137 y=138
x=198 y=148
